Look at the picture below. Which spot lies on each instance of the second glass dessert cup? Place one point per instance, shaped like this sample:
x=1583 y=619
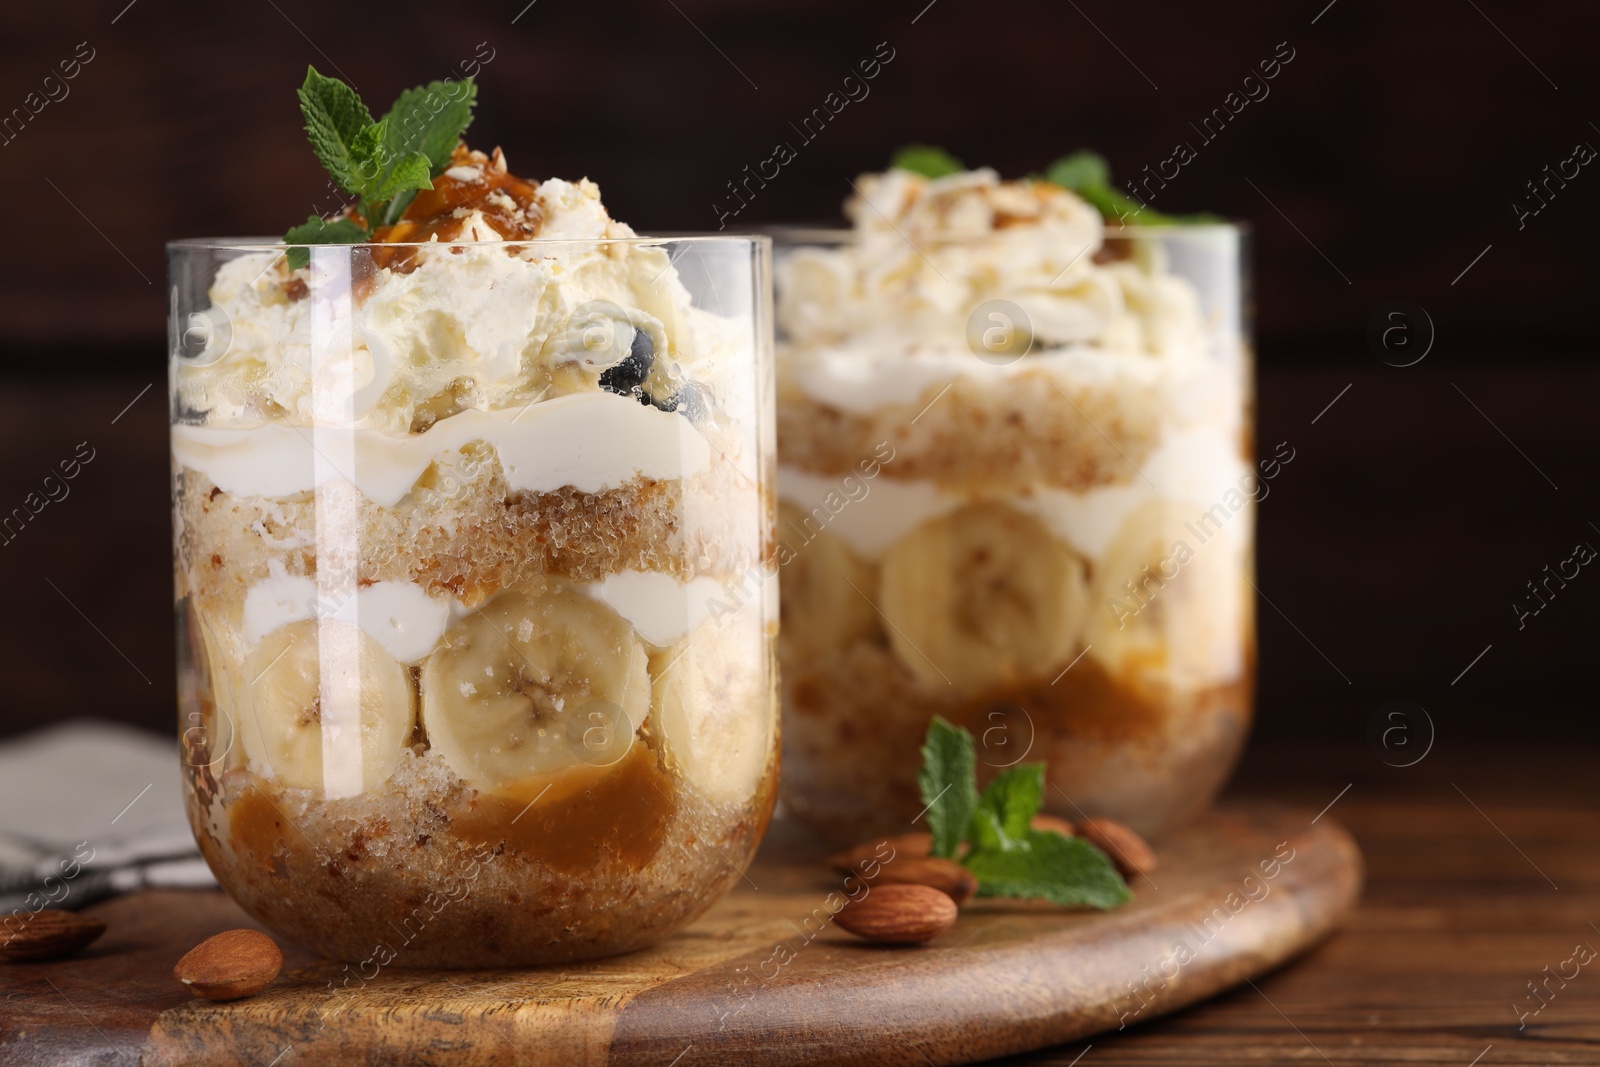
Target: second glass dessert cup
x=458 y=686
x=1016 y=491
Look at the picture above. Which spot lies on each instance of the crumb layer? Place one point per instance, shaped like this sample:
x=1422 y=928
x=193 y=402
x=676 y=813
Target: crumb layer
x=854 y=719
x=464 y=532
x=429 y=873
x=1032 y=430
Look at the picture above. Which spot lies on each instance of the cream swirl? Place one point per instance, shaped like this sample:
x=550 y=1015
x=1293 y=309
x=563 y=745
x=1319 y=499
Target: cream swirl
x=926 y=252
x=472 y=323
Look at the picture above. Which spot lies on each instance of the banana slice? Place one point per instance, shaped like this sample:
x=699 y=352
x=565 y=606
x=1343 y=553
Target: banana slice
x=328 y=708
x=714 y=702
x=533 y=684
x=823 y=588
x=218 y=664
x=213 y=687
x=1168 y=607
x=983 y=598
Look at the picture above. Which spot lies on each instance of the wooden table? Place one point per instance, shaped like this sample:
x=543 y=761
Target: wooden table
x=1482 y=870
x=1482 y=878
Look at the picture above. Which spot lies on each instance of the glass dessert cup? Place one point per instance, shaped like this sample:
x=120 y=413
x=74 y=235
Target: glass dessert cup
x=1016 y=490
x=459 y=681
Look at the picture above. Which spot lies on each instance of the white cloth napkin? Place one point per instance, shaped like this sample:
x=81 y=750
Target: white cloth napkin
x=89 y=809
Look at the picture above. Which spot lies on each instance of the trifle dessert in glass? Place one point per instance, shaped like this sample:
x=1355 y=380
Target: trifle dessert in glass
x=456 y=512
x=1016 y=491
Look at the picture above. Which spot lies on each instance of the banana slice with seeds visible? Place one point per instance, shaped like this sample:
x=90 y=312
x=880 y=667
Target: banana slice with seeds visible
x=714 y=702
x=325 y=708
x=983 y=598
x=533 y=684
x=823 y=588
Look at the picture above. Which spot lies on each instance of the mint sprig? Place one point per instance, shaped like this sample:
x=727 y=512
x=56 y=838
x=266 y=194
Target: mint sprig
x=1045 y=865
x=381 y=164
x=926 y=160
x=335 y=117
x=1008 y=856
x=430 y=120
x=1089 y=175
x=320 y=231
x=1007 y=807
x=949 y=784
x=1084 y=172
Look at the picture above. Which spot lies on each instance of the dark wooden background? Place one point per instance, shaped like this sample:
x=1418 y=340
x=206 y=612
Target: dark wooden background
x=1385 y=159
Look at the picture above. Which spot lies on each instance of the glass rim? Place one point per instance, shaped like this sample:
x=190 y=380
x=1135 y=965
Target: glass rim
x=840 y=234
x=274 y=244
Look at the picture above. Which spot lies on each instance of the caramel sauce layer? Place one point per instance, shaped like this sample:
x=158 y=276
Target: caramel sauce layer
x=592 y=817
x=506 y=202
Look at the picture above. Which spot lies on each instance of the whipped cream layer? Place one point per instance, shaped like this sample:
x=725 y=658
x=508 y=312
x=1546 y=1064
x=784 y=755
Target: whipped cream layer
x=366 y=372
x=409 y=622
x=1196 y=468
x=902 y=308
x=662 y=609
x=875 y=371
x=589 y=441
x=495 y=314
x=400 y=616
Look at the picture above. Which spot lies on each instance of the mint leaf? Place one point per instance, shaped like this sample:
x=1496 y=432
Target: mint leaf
x=367 y=159
x=1013 y=799
x=383 y=163
x=949 y=784
x=1008 y=856
x=319 y=231
x=1089 y=175
x=1080 y=171
x=334 y=117
x=985 y=834
x=381 y=175
x=430 y=119
x=926 y=160
x=1113 y=205
x=408 y=176
x=427 y=123
x=1048 y=866
x=1006 y=809
x=1193 y=218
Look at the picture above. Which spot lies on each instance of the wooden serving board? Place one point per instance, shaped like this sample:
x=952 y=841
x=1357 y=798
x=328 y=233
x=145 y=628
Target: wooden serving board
x=757 y=980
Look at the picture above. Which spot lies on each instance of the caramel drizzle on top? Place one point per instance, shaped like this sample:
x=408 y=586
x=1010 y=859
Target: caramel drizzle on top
x=505 y=201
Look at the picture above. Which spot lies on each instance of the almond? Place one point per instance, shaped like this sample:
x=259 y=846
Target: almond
x=899 y=914
x=882 y=850
x=45 y=935
x=1052 y=823
x=233 y=964
x=947 y=876
x=1126 y=848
